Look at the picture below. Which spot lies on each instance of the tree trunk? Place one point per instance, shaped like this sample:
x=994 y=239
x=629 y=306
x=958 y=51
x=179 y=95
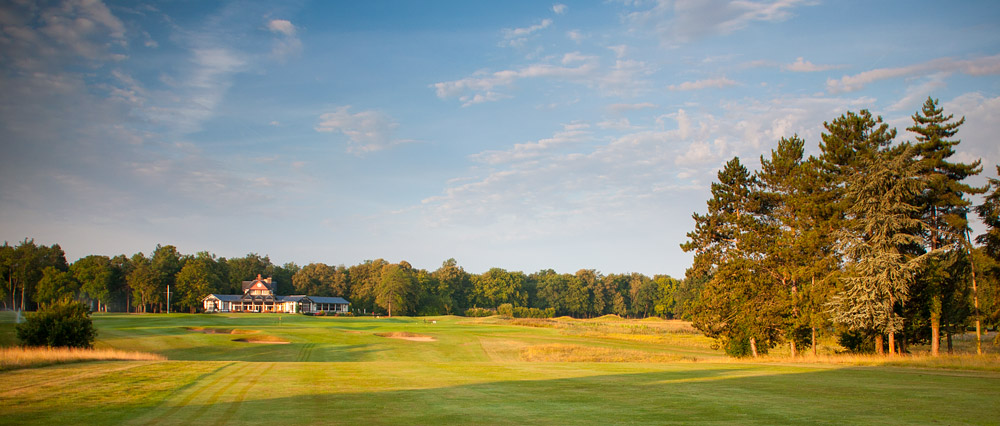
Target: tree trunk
x=935 y=325
x=753 y=346
x=814 y=340
x=892 y=343
x=975 y=300
x=791 y=345
x=878 y=344
x=947 y=332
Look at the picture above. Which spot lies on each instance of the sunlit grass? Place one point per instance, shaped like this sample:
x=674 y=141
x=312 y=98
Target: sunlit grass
x=20 y=357
x=559 y=352
x=954 y=362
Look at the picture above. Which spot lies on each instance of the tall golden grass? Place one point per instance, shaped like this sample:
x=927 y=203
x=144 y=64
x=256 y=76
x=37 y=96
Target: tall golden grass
x=21 y=357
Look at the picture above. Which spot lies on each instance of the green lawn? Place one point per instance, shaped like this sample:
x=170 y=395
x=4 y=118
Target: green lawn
x=339 y=370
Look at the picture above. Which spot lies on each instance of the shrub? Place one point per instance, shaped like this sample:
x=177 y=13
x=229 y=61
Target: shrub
x=479 y=312
x=521 y=312
x=506 y=310
x=65 y=323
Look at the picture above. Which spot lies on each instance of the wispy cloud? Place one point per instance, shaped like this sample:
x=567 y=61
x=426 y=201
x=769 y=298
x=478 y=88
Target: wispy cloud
x=802 y=65
x=193 y=96
x=917 y=93
x=287 y=44
x=480 y=87
x=620 y=50
x=987 y=65
x=711 y=83
x=978 y=134
x=559 y=8
x=681 y=21
x=93 y=130
x=366 y=131
x=37 y=36
x=281 y=26
x=621 y=108
x=624 y=78
x=515 y=37
x=571 y=134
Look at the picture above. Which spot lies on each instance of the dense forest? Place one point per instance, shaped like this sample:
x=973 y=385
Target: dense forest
x=37 y=274
x=870 y=239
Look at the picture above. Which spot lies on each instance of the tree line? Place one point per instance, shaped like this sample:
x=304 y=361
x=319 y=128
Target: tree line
x=38 y=275
x=869 y=240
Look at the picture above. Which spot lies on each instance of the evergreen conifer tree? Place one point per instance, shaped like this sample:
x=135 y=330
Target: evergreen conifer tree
x=881 y=227
x=944 y=208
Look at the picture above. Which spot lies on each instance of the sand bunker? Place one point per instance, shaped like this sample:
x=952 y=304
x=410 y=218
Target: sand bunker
x=263 y=339
x=403 y=335
x=220 y=330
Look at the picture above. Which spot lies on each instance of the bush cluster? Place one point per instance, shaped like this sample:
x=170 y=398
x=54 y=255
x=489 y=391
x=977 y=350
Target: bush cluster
x=480 y=312
x=65 y=323
x=510 y=311
x=522 y=312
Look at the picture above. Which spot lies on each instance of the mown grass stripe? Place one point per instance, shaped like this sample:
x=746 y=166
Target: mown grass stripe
x=208 y=403
x=197 y=390
x=240 y=397
x=305 y=353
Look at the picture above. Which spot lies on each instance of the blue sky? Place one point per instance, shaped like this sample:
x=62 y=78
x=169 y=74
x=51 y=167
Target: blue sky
x=523 y=135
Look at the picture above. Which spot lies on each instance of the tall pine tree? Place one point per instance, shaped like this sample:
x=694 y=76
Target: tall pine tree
x=801 y=247
x=944 y=208
x=738 y=305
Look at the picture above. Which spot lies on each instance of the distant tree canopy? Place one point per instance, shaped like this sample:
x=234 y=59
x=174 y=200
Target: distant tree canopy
x=138 y=283
x=870 y=238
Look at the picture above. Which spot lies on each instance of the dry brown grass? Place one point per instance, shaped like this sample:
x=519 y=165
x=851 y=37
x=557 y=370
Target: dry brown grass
x=558 y=352
x=20 y=357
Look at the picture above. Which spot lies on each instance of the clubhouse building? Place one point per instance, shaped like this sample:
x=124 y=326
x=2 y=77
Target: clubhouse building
x=258 y=296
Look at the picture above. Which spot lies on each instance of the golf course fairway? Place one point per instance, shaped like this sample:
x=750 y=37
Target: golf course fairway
x=293 y=369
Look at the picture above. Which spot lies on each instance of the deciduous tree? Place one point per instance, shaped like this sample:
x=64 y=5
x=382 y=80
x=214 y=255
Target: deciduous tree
x=55 y=285
x=201 y=275
x=95 y=275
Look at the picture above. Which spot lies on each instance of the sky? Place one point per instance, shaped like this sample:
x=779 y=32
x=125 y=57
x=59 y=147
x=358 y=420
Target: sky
x=524 y=135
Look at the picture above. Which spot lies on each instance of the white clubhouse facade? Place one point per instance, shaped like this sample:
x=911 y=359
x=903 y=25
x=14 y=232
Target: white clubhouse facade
x=258 y=296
